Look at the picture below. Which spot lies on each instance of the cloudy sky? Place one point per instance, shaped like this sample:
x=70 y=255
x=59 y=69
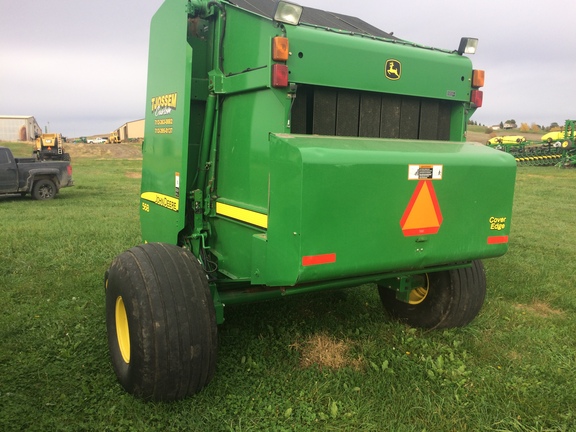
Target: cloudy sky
x=79 y=66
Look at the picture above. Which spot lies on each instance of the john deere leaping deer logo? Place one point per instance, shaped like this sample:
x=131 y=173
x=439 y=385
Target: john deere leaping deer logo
x=393 y=69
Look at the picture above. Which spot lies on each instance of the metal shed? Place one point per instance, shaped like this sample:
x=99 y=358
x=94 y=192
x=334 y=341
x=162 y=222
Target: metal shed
x=18 y=128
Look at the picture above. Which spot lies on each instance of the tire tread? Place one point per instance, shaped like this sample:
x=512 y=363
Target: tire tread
x=171 y=317
x=456 y=300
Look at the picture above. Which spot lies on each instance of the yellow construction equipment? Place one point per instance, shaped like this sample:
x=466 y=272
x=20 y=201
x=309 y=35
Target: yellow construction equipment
x=49 y=146
x=114 y=138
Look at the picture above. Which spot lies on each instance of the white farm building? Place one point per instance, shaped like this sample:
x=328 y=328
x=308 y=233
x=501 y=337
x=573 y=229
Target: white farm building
x=18 y=128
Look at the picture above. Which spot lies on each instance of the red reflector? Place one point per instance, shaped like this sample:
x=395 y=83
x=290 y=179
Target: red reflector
x=476 y=98
x=497 y=239
x=279 y=75
x=69 y=169
x=318 y=259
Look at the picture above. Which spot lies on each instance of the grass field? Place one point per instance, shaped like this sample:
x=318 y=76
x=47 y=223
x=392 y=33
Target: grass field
x=324 y=362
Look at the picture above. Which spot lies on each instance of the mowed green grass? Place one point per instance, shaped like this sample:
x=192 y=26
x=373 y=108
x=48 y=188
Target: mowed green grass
x=329 y=361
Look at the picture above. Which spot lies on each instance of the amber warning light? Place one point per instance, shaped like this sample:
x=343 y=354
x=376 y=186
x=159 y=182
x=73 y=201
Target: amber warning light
x=280 y=48
x=477 y=78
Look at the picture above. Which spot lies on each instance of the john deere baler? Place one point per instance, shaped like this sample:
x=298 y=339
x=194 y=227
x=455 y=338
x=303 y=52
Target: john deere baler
x=290 y=150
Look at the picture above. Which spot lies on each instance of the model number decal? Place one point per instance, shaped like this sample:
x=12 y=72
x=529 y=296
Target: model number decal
x=165 y=201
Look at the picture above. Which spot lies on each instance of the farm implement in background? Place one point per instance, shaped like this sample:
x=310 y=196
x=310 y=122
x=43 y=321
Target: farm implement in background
x=557 y=151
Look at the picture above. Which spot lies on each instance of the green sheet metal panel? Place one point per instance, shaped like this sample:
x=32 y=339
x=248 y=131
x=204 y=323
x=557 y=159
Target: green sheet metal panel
x=165 y=150
x=242 y=180
x=330 y=59
x=232 y=244
x=341 y=207
x=246 y=121
x=247 y=41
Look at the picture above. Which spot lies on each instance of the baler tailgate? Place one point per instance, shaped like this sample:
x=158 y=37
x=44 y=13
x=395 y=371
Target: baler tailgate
x=430 y=203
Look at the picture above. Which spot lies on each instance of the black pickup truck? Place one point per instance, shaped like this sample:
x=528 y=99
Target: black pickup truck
x=42 y=179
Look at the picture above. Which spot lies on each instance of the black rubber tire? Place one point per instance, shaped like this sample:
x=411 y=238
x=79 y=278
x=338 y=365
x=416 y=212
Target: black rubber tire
x=171 y=322
x=44 y=189
x=454 y=299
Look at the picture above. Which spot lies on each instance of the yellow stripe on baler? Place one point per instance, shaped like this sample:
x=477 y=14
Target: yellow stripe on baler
x=243 y=215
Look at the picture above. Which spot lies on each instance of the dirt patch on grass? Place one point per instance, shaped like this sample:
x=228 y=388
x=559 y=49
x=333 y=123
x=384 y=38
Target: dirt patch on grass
x=540 y=309
x=514 y=356
x=132 y=174
x=324 y=351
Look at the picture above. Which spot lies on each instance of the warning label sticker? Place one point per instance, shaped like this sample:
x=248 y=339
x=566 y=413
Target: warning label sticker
x=425 y=172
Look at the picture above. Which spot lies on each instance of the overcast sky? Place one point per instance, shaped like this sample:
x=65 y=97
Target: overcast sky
x=79 y=66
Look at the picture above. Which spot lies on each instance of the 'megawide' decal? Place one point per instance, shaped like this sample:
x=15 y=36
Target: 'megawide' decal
x=165 y=201
x=165 y=104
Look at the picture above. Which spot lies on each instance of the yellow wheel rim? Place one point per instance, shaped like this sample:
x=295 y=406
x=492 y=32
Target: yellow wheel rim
x=122 y=333
x=420 y=291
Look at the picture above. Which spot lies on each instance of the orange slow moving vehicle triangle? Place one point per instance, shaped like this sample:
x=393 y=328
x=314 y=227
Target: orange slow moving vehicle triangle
x=422 y=215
